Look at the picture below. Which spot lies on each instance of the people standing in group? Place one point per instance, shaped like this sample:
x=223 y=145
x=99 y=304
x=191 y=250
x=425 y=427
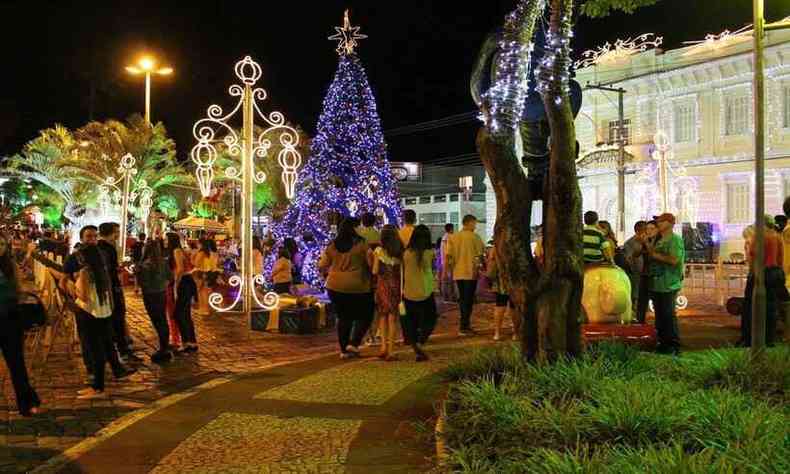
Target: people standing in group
x=206 y=263
x=153 y=275
x=281 y=272
x=593 y=239
x=636 y=266
x=182 y=289
x=12 y=335
x=503 y=307
x=774 y=279
x=420 y=318
x=368 y=230
x=447 y=286
x=109 y=233
x=94 y=297
x=409 y=220
x=667 y=263
x=346 y=265
x=388 y=270
x=464 y=255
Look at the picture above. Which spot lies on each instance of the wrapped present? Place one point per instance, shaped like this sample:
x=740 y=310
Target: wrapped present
x=296 y=320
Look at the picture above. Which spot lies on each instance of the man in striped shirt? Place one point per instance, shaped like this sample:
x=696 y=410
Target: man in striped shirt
x=593 y=239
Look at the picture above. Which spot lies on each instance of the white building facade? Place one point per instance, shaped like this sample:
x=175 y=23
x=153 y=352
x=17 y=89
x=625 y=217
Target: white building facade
x=700 y=98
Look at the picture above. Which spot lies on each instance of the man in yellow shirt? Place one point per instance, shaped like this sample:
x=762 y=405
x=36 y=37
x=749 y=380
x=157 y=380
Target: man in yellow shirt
x=464 y=253
x=409 y=220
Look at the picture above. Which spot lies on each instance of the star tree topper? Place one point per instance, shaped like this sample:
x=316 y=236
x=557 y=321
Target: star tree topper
x=347 y=36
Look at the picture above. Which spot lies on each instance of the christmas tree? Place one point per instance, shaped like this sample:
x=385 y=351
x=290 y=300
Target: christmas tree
x=348 y=173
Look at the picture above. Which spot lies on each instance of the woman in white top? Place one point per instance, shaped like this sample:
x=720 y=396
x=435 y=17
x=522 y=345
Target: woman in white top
x=93 y=294
x=206 y=263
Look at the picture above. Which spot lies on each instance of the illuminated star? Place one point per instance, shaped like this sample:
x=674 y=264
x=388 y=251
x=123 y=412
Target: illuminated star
x=347 y=36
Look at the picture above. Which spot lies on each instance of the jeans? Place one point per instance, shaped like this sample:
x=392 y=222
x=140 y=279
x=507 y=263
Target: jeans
x=640 y=296
x=666 y=320
x=354 y=316
x=12 y=343
x=82 y=319
x=119 y=321
x=420 y=320
x=466 y=301
x=775 y=293
x=102 y=349
x=155 y=307
x=183 y=313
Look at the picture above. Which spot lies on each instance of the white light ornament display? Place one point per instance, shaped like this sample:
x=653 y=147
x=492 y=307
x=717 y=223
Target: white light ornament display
x=347 y=36
x=612 y=53
x=248 y=146
x=716 y=42
x=666 y=188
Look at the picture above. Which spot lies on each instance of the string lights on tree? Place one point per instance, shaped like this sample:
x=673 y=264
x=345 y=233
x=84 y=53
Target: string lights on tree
x=348 y=172
x=214 y=131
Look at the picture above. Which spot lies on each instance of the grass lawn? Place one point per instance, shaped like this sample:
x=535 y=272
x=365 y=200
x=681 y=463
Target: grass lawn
x=618 y=410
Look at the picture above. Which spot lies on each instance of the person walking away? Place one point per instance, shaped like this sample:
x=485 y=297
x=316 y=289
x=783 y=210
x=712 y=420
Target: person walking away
x=388 y=271
x=503 y=307
x=184 y=291
x=12 y=335
x=667 y=260
x=409 y=220
x=281 y=272
x=152 y=276
x=346 y=263
x=465 y=250
x=109 y=233
x=635 y=267
x=420 y=318
x=93 y=293
x=368 y=230
x=207 y=269
x=446 y=283
x=775 y=290
x=176 y=261
x=593 y=239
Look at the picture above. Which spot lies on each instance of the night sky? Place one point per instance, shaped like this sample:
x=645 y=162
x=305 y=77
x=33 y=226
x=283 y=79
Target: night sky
x=418 y=58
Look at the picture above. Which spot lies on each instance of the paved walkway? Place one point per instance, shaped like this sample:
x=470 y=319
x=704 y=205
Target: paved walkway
x=321 y=416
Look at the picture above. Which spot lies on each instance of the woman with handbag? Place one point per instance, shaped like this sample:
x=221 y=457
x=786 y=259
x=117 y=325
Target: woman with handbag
x=420 y=317
x=345 y=261
x=12 y=336
x=389 y=272
x=93 y=295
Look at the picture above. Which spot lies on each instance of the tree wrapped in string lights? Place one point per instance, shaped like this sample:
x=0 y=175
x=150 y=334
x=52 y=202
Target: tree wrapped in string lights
x=348 y=173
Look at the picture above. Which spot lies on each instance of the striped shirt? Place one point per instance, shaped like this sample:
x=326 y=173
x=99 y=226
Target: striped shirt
x=593 y=240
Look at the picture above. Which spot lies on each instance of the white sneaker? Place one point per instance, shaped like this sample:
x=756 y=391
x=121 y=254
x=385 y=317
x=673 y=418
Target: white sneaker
x=497 y=338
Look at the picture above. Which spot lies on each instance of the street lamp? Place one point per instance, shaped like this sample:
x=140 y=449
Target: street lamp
x=147 y=65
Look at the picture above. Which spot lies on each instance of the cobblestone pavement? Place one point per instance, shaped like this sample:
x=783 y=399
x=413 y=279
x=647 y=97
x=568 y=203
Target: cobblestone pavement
x=227 y=348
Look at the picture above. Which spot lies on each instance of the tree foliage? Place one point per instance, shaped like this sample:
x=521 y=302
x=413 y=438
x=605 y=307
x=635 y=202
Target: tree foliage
x=602 y=8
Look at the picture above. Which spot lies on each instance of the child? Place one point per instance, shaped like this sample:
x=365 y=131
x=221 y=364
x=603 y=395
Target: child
x=281 y=273
x=387 y=268
x=503 y=305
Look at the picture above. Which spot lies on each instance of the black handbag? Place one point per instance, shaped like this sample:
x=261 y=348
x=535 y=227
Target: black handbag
x=30 y=311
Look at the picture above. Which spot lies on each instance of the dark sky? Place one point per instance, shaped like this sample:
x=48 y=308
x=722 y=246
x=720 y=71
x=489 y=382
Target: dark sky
x=418 y=58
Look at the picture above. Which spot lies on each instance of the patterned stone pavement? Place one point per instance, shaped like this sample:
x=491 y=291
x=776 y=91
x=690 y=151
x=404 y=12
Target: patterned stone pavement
x=229 y=349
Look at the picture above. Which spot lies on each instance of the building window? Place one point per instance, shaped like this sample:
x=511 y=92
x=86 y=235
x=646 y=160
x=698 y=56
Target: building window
x=454 y=218
x=440 y=198
x=683 y=119
x=411 y=201
x=614 y=131
x=786 y=108
x=433 y=218
x=425 y=199
x=736 y=114
x=453 y=198
x=738 y=203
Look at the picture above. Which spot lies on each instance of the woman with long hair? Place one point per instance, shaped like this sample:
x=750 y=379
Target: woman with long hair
x=345 y=261
x=93 y=291
x=611 y=240
x=257 y=255
x=12 y=335
x=388 y=270
x=153 y=274
x=207 y=270
x=182 y=289
x=420 y=318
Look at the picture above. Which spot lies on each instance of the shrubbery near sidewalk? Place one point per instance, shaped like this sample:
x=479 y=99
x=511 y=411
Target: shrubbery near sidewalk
x=617 y=410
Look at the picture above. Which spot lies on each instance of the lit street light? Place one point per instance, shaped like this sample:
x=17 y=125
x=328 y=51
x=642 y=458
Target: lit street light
x=147 y=65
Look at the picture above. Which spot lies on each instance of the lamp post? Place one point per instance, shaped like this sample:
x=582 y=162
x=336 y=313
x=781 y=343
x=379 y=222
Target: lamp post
x=147 y=65
x=215 y=131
